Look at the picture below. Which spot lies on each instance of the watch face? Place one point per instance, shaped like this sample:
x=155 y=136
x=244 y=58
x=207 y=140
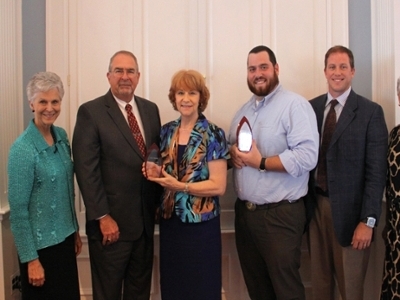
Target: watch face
x=370 y=222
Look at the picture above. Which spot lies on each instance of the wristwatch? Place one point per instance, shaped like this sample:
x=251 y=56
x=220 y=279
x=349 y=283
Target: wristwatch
x=369 y=221
x=261 y=168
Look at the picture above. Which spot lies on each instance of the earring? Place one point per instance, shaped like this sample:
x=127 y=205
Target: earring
x=33 y=110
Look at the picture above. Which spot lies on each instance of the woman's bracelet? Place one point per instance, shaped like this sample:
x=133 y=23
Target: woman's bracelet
x=186 y=190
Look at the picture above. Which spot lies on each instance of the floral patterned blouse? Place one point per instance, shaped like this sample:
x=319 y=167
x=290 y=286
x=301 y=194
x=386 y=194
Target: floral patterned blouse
x=207 y=142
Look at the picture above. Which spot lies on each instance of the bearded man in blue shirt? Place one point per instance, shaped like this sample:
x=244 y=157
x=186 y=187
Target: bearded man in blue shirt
x=271 y=180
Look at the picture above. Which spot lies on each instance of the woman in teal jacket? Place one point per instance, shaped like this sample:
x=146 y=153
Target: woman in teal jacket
x=41 y=197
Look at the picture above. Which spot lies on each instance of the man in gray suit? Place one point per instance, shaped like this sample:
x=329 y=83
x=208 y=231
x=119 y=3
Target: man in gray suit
x=350 y=178
x=120 y=202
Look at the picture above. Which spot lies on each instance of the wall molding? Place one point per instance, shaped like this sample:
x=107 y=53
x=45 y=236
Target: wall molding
x=11 y=119
x=4 y=211
x=383 y=57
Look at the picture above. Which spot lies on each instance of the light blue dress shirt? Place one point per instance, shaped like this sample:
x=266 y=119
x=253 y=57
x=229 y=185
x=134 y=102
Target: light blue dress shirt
x=283 y=124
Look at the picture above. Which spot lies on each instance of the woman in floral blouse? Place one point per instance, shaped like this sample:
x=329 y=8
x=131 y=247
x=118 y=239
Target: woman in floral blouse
x=194 y=153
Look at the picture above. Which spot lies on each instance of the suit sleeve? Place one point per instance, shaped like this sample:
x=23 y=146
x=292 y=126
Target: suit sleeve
x=86 y=152
x=375 y=165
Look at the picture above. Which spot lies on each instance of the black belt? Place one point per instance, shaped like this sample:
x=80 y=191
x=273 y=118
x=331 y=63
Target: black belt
x=252 y=206
x=322 y=192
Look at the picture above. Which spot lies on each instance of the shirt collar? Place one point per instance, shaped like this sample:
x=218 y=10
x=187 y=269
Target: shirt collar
x=122 y=103
x=341 y=99
x=38 y=138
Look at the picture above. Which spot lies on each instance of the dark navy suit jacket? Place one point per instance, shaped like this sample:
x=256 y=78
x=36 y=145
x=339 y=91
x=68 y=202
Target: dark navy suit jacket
x=356 y=163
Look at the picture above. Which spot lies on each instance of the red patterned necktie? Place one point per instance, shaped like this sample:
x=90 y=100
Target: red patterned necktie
x=135 y=130
x=329 y=128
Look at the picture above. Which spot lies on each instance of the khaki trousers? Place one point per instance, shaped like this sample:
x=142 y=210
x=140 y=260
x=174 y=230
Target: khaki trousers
x=331 y=262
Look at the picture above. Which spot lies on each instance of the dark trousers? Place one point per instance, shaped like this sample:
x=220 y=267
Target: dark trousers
x=124 y=266
x=60 y=270
x=268 y=242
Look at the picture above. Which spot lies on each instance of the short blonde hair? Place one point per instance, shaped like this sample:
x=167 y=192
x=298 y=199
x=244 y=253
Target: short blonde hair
x=192 y=80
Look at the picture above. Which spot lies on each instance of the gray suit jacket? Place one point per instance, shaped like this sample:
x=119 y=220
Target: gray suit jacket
x=108 y=166
x=356 y=163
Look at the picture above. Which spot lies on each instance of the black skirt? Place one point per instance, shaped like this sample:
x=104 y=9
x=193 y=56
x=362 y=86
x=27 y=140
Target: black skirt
x=190 y=259
x=61 y=273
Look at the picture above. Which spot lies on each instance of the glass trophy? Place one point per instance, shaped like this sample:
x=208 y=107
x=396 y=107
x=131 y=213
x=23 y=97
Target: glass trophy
x=244 y=135
x=153 y=164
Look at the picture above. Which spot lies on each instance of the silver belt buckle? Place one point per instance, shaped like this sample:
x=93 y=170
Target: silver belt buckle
x=250 y=206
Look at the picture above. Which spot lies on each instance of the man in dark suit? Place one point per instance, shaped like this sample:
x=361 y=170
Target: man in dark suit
x=350 y=178
x=120 y=202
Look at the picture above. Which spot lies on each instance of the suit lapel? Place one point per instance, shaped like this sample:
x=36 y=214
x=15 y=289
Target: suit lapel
x=120 y=122
x=319 y=108
x=346 y=117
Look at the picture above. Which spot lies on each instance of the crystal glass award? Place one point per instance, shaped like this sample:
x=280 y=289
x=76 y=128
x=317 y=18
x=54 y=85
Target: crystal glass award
x=244 y=135
x=153 y=163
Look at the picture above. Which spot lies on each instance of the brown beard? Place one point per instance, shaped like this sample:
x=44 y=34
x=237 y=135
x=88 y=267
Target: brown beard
x=264 y=91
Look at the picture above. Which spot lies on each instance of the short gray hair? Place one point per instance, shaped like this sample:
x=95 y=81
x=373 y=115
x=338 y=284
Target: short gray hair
x=125 y=52
x=43 y=82
x=398 y=86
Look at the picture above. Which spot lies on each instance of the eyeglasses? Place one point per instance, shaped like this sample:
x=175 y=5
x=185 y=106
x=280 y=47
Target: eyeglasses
x=119 y=72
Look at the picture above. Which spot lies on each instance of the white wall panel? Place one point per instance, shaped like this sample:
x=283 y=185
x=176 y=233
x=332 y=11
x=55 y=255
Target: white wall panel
x=171 y=27
x=384 y=57
x=11 y=126
x=229 y=41
x=10 y=86
x=396 y=12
